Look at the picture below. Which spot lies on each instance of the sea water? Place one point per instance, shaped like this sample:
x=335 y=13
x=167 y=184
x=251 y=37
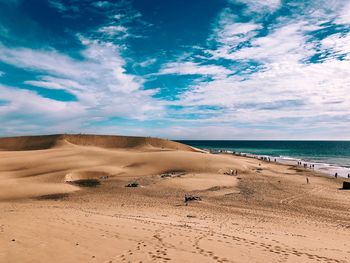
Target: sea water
x=327 y=156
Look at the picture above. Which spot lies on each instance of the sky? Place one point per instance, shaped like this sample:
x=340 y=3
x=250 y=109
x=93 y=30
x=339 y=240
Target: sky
x=194 y=69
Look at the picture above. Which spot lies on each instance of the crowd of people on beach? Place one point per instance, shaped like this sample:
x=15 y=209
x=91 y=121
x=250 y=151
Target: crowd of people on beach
x=268 y=159
x=311 y=166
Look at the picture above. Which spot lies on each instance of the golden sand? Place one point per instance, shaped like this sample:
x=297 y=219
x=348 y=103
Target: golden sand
x=267 y=213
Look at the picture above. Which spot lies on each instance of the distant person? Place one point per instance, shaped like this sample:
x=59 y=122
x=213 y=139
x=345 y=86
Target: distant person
x=336 y=175
x=275 y=160
x=348 y=176
x=186 y=200
x=307 y=180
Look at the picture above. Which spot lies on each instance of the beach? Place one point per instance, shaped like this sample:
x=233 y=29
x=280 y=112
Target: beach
x=326 y=157
x=63 y=198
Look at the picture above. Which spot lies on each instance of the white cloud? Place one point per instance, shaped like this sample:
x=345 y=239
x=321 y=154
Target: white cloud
x=61 y=7
x=102 y=4
x=257 y=7
x=46 y=115
x=280 y=95
x=285 y=43
x=286 y=96
x=99 y=82
x=50 y=82
x=118 y=17
x=98 y=79
x=58 y=5
x=290 y=96
x=339 y=44
x=344 y=16
x=44 y=60
x=229 y=32
x=46 y=84
x=191 y=68
x=113 y=30
x=147 y=62
x=317 y=83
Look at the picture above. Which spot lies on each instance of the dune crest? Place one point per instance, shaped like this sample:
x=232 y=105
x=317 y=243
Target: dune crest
x=43 y=142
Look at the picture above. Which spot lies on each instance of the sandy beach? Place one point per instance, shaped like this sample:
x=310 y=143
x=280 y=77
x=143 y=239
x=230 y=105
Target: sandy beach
x=63 y=198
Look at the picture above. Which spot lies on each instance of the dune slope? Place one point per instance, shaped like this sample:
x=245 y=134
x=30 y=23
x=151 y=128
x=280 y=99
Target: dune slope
x=58 y=159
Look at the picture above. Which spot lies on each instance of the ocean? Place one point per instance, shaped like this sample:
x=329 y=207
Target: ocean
x=328 y=156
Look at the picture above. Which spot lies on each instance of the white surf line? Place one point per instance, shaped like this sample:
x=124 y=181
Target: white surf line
x=324 y=168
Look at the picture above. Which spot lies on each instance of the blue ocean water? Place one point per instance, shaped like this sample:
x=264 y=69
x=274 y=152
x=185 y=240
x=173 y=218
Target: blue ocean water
x=328 y=152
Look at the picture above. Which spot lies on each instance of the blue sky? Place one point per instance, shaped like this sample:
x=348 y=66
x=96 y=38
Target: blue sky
x=219 y=69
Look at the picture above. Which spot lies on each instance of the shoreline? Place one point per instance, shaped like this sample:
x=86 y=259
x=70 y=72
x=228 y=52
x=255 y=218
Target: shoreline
x=325 y=169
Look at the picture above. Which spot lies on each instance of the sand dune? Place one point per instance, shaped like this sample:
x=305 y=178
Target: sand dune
x=26 y=143
x=62 y=158
x=267 y=213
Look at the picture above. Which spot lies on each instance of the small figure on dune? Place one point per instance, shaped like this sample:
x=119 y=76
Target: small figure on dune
x=186 y=200
x=336 y=175
x=348 y=176
x=189 y=198
x=307 y=180
x=231 y=172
